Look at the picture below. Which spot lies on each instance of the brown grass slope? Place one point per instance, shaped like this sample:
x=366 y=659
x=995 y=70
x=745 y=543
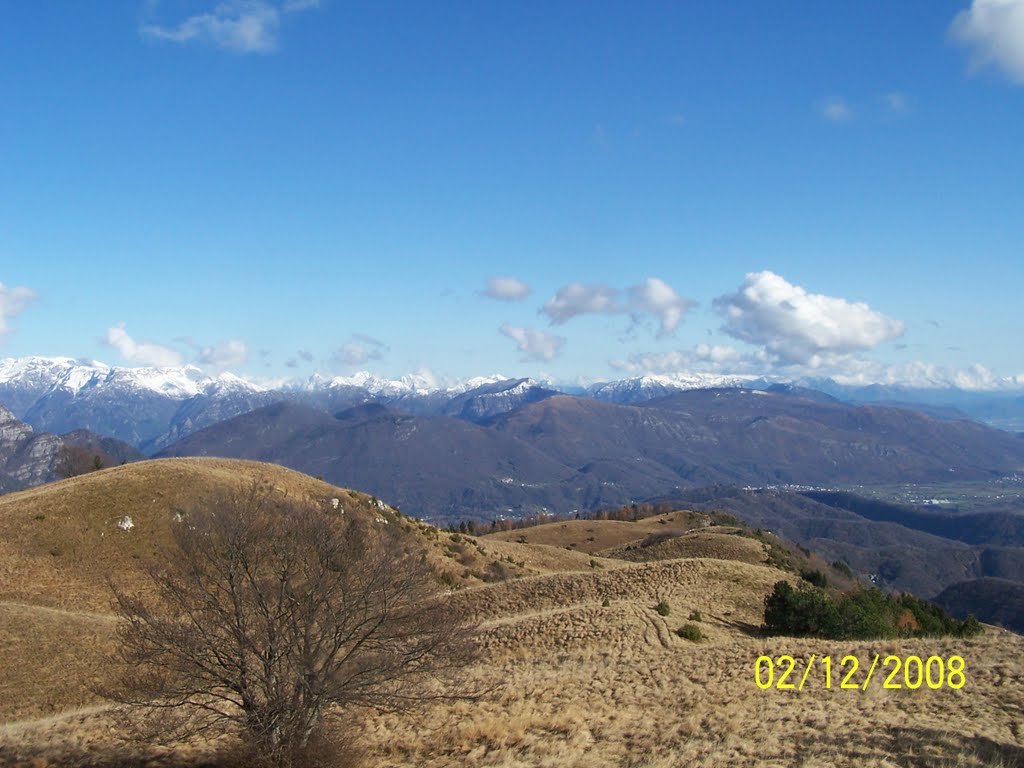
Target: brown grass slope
x=59 y=542
x=596 y=535
x=584 y=670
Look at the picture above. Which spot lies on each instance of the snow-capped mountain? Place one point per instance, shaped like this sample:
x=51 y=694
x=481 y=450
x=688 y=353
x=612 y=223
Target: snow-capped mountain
x=495 y=397
x=43 y=374
x=419 y=383
x=146 y=407
x=643 y=388
x=151 y=408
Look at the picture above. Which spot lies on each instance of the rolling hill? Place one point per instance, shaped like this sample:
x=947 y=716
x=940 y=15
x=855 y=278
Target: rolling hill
x=581 y=668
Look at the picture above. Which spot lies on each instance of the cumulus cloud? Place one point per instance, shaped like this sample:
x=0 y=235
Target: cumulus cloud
x=360 y=349
x=652 y=297
x=142 y=352
x=533 y=343
x=506 y=289
x=579 y=299
x=241 y=26
x=227 y=354
x=799 y=328
x=994 y=32
x=13 y=302
x=658 y=298
x=837 y=110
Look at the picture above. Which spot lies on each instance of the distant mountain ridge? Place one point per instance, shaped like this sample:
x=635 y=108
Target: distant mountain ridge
x=561 y=452
x=152 y=408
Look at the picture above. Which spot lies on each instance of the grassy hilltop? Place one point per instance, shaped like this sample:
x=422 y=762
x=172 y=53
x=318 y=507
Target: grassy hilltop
x=579 y=622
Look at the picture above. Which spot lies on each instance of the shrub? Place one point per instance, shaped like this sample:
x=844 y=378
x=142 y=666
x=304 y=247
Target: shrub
x=810 y=611
x=690 y=632
x=663 y=608
x=695 y=616
x=605 y=603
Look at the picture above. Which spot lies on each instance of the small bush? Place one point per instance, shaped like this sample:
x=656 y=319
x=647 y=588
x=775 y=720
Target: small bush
x=605 y=603
x=497 y=571
x=695 y=616
x=595 y=564
x=663 y=608
x=863 y=614
x=690 y=632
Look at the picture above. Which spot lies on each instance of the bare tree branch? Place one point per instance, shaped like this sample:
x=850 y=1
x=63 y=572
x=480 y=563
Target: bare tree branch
x=270 y=614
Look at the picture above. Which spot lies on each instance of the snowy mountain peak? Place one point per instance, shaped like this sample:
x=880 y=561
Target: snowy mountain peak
x=655 y=385
x=418 y=383
x=50 y=374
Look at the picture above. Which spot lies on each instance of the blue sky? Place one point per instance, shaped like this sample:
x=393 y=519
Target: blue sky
x=277 y=187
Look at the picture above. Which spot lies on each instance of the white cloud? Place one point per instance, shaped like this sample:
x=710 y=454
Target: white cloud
x=13 y=302
x=707 y=358
x=143 y=352
x=360 y=349
x=506 y=289
x=652 y=297
x=799 y=328
x=533 y=343
x=242 y=26
x=658 y=298
x=837 y=110
x=228 y=354
x=579 y=299
x=918 y=374
x=994 y=31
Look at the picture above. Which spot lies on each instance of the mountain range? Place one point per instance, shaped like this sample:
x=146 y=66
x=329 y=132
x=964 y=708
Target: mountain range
x=151 y=408
x=495 y=447
x=568 y=453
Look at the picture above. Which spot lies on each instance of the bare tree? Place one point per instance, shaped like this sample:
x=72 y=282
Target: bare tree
x=272 y=614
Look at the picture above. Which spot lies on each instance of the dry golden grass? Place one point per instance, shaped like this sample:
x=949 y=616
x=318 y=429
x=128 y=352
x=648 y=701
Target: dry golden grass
x=721 y=544
x=49 y=659
x=576 y=682
x=544 y=558
x=593 y=536
x=60 y=542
